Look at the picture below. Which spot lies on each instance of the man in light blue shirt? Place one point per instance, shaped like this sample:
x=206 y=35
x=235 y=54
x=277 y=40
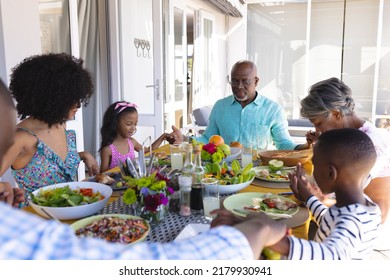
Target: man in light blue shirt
x=246 y=116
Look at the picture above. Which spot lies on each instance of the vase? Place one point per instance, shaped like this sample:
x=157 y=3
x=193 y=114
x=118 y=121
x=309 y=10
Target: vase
x=154 y=218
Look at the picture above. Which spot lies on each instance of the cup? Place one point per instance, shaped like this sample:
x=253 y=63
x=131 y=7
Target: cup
x=176 y=156
x=246 y=156
x=262 y=139
x=210 y=196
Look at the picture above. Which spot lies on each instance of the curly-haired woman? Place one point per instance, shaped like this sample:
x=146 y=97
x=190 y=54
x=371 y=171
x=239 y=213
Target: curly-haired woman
x=48 y=89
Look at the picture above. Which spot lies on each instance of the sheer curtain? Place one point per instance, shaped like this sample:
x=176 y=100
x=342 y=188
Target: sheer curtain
x=93 y=49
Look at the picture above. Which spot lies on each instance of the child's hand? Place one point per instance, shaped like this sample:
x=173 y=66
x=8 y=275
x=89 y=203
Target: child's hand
x=299 y=184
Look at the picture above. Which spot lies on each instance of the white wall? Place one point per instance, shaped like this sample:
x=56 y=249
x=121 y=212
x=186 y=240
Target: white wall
x=19 y=38
x=20 y=33
x=236 y=42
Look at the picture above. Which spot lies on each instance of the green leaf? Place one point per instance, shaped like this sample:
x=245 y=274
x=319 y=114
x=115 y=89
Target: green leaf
x=247 y=169
x=236 y=166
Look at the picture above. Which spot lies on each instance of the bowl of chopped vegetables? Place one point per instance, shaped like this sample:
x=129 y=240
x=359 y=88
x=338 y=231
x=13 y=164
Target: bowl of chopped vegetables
x=71 y=200
x=231 y=178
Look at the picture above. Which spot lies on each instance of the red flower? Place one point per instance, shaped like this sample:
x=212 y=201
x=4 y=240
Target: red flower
x=210 y=148
x=152 y=202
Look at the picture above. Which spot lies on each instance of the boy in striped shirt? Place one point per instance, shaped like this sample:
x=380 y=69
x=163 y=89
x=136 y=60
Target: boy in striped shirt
x=342 y=161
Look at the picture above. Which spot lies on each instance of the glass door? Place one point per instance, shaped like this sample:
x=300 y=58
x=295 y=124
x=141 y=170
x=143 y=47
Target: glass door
x=176 y=65
x=140 y=41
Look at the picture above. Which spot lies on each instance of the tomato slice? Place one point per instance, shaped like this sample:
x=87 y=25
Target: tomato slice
x=86 y=191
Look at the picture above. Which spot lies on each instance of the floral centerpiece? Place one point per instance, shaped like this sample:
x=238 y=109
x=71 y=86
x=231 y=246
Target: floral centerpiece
x=214 y=151
x=150 y=195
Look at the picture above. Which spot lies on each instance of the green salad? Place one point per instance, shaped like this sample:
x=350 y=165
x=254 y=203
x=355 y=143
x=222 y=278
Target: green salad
x=66 y=197
x=230 y=175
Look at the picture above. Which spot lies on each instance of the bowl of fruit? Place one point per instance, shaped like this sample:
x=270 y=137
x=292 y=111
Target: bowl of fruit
x=216 y=150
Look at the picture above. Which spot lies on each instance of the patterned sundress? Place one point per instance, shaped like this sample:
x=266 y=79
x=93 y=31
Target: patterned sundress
x=46 y=167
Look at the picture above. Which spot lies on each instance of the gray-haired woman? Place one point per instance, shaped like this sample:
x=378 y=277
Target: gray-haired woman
x=329 y=105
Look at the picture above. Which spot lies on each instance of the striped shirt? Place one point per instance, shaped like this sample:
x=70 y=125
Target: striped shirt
x=27 y=236
x=347 y=232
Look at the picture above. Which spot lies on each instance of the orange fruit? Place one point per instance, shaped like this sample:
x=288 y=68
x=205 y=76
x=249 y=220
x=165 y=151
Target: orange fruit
x=236 y=144
x=216 y=140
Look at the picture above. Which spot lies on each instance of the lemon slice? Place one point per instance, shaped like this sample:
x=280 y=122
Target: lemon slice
x=275 y=164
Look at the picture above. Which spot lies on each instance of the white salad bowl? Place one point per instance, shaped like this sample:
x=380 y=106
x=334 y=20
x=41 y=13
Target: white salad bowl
x=74 y=212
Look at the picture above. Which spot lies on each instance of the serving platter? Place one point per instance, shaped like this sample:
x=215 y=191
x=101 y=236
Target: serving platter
x=114 y=175
x=89 y=220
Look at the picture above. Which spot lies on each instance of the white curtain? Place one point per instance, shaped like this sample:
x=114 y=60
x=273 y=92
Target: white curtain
x=93 y=50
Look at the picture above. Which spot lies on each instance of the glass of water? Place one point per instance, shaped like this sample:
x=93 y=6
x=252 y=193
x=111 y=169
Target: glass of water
x=210 y=196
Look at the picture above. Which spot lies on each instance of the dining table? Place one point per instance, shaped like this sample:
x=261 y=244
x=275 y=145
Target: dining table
x=173 y=224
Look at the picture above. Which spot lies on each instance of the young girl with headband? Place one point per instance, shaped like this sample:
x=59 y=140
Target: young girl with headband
x=119 y=125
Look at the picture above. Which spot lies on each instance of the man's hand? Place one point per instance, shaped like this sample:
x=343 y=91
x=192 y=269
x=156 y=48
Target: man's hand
x=176 y=135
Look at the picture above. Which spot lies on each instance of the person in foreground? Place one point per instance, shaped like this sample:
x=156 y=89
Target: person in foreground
x=246 y=115
x=48 y=89
x=119 y=125
x=347 y=230
x=329 y=105
x=27 y=236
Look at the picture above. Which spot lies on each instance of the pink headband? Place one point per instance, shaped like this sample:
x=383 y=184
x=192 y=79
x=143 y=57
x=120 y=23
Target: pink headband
x=124 y=105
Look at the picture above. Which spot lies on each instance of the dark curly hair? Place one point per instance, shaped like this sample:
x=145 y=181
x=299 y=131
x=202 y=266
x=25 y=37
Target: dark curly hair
x=110 y=122
x=46 y=87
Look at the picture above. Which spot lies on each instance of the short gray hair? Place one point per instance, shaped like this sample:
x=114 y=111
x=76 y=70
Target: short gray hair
x=326 y=96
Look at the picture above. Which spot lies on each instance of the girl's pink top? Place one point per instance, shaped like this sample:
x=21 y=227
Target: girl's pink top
x=117 y=156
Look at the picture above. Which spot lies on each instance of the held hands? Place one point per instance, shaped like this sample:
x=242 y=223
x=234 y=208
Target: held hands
x=252 y=224
x=259 y=229
x=12 y=196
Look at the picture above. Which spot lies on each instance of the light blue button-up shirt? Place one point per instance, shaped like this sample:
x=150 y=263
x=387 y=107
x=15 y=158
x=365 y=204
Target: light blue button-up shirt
x=262 y=117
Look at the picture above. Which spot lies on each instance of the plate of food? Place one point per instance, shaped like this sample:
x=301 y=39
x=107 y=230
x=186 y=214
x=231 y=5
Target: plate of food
x=115 y=228
x=275 y=206
x=266 y=174
x=112 y=179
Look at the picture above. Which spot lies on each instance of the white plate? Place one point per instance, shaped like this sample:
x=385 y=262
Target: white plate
x=192 y=230
x=284 y=171
x=241 y=200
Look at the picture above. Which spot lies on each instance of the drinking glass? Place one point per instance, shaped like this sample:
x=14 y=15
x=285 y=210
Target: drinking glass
x=210 y=196
x=176 y=156
x=261 y=140
x=246 y=156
